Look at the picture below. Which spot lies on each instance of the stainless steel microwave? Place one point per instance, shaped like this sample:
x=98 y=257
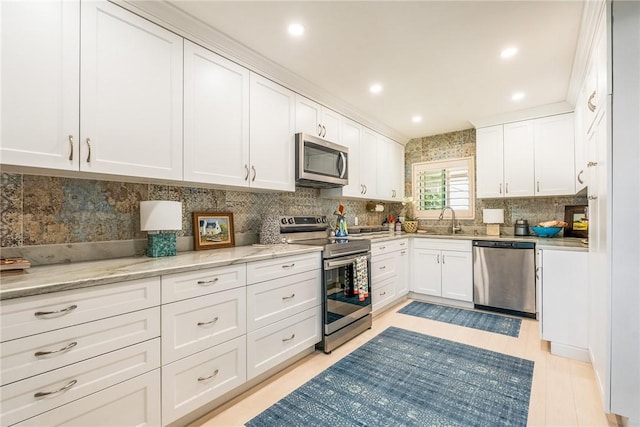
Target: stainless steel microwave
x=320 y=163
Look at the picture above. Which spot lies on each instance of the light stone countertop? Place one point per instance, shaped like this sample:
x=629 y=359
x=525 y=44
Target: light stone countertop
x=60 y=277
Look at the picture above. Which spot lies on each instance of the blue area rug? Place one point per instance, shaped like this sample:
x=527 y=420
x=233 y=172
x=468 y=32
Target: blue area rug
x=403 y=378
x=461 y=317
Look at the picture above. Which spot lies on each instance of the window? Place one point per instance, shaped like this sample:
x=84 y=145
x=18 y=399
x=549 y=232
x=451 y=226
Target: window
x=444 y=183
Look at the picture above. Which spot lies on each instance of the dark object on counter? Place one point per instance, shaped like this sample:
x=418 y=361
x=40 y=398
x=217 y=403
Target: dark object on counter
x=577 y=218
x=521 y=227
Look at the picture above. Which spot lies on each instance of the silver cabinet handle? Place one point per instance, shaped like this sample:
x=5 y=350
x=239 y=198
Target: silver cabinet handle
x=246 y=172
x=383 y=267
x=592 y=164
x=209 y=377
x=403 y=252
x=592 y=197
x=506 y=188
x=579 y=177
x=383 y=293
x=60 y=390
x=591 y=105
x=207 y=282
x=46 y=353
x=289 y=297
x=89 y=154
x=443 y=258
x=538 y=273
x=365 y=189
x=70 y=147
x=319 y=129
x=402 y=244
x=63 y=311
x=438 y=259
x=500 y=190
x=324 y=131
x=215 y=319
x=289 y=339
x=382 y=248
x=253 y=169
x=538 y=186
x=289 y=265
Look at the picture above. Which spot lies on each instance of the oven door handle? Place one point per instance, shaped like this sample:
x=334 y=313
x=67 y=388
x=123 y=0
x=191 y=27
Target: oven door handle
x=330 y=264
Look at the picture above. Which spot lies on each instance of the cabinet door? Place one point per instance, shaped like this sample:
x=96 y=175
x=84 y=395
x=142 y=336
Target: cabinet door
x=391 y=169
x=351 y=138
x=402 y=263
x=131 y=95
x=426 y=277
x=580 y=142
x=518 y=159
x=308 y=116
x=457 y=275
x=489 y=162
x=40 y=83
x=271 y=134
x=564 y=298
x=369 y=159
x=216 y=118
x=383 y=169
x=554 y=155
x=331 y=126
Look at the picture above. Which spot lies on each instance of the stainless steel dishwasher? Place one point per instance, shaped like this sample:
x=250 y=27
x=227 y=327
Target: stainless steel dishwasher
x=504 y=277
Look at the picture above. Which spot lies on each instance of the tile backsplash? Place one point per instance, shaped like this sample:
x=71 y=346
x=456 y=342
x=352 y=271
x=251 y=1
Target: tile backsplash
x=57 y=214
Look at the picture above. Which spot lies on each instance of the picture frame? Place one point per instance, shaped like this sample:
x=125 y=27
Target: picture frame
x=213 y=230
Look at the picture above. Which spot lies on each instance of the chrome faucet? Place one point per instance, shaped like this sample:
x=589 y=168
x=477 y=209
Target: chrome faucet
x=454 y=228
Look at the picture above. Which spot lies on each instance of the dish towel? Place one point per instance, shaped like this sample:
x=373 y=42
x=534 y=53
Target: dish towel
x=361 y=277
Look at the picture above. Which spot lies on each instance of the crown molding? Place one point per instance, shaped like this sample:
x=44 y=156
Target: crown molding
x=189 y=27
x=592 y=14
x=530 y=113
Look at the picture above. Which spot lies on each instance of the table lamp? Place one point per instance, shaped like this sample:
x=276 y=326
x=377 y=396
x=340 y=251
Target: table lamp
x=493 y=218
x=157 y=217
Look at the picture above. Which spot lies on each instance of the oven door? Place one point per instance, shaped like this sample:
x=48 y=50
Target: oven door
x=320 y=163
x=342 y=302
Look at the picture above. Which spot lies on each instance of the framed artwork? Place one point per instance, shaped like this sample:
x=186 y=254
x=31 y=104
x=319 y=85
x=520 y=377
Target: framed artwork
x=213 y=230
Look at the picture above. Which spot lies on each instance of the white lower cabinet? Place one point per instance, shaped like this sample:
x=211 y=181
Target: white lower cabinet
x=564 y=283
x=389 y=262
x=135 y=402
x=442 y=268
x=194 y=381
x=32 y=396
x=273 y=344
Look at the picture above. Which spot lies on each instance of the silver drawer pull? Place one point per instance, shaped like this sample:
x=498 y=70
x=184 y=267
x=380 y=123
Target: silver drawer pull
x=289 y=297
x=208 y=323
x=209 y=377
x=383 y=293
x=207 y=282
x=289 y=266
x=403 y=252
x=382 y=248
x=289 y=339
x=46 y=353
x=383 y=267
x=592 y=164
x=61 y=312
x=60 y=390
x=592 y=197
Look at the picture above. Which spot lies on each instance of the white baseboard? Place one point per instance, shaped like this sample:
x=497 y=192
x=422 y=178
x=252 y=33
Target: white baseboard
x=581 y=354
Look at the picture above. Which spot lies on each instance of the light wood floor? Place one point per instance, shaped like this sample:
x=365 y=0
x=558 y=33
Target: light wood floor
x=563 y=392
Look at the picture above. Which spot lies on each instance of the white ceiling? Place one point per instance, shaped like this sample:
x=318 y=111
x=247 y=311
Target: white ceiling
x=437 y=59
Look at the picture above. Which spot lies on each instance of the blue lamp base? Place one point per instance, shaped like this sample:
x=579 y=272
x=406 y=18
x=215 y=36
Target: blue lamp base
x=161 y=244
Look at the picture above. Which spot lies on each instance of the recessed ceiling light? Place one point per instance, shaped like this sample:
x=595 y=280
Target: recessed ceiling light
x=296 y=30
x=375 y=88
x=416 y=119
x=508 y=52
x=517 y=96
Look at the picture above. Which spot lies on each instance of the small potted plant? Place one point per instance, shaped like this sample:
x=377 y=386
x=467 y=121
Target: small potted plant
x=410 y=224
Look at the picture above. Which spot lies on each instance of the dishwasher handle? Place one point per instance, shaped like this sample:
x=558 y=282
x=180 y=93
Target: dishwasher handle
x=503 y=244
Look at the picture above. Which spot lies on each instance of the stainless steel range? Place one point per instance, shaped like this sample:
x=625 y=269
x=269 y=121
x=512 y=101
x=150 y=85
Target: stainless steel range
x=346 y=277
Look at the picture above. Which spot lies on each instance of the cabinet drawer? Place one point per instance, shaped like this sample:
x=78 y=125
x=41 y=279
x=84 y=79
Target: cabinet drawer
x=135 y=402
x=196 y=380
x=22 y=317
x=443 y=244
x=389 y=246
x=261 y=271
x=383 y=292
x=195 y=324
x=19 y=400
x=274 y=300
x=273 y=344
x=19 y=359
x=181 y=286
x=383 y=266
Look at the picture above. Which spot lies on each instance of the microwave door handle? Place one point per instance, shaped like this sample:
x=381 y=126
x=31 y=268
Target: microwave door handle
x=343 y=162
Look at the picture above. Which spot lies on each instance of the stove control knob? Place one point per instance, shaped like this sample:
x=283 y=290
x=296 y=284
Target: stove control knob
x=324 y=219
x=283 y=220
x=290 y=220
x=318 y=220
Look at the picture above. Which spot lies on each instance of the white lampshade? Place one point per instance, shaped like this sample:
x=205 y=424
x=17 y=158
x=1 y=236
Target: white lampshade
x=493 y=216
x=157 y=215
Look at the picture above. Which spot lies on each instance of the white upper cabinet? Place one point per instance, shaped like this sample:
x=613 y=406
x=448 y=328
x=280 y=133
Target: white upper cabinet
x=40 y=90
x=368 y=161
x=314 y=119
x=131 y=94
x=216 y=118
x=527 y=158
x=272 y=130
x=554 y=155
x=352 y=134
x=390 y=167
